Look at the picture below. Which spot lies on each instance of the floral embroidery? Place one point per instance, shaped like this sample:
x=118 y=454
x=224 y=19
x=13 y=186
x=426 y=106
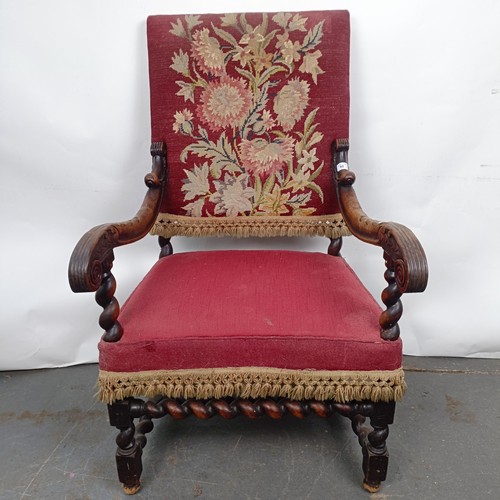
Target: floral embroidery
x=246 y=91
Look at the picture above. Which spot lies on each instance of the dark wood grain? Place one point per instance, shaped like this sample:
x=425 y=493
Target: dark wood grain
x=131 y=439
x=93 y=254
x=92 y=259
x=404 y=256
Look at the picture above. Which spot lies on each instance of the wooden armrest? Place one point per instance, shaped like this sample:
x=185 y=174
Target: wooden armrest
x=93 y=254
x=399 y=243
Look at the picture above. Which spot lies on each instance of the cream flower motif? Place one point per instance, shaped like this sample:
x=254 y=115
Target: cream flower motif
x=290 y=103
x=197 y=182
x=308 y=159
x=274 y=203
x=310 y=65
x=207 y=52
x=243 y=55
x=299 y=181
x=262 y=157
x=282 y=39
x=253 y=39
x=183 y=122
x=225 y=103
x=232 y=195
x=290 y=51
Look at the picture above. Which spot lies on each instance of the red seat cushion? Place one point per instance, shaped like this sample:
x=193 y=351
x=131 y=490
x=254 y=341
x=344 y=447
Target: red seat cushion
x=280 y=309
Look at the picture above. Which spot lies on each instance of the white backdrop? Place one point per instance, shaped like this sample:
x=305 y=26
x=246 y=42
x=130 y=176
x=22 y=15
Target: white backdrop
x=74 y=140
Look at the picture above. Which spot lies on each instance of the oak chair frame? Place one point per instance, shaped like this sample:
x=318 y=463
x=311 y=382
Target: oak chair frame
x=406 y=271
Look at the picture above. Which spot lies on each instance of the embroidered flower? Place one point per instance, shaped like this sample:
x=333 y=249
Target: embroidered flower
x=183 y=122
x=225 y=103
x=264 y=123
x=250 y=127
x=290 y=103
x=252 y=38
x=299 y=181
x=282 y=39
x=207 y=52
x=243 y=55
x=197 y=182
x=274 y=203
x=262 y=61
x=232 y=195
x=262 y=157
x=310 y=65
x=290 y=51
x=308 y=159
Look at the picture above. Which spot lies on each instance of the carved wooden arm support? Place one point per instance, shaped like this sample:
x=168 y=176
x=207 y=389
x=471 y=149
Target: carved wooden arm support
x=92 y=259
x=404 y=256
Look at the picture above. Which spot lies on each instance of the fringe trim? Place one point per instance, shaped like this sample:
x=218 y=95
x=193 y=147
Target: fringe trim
x=331 y=226
x=254 y=382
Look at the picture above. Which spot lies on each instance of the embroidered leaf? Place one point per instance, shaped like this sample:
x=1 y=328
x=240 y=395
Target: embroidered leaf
x=180 y=62
x=258 y=189
x=262 y=28
x=281 y=19
x=192 y=21
x=246 y=74
x=203 y=133
x=268 y=184
x=195 y=208
x=302 y=212
x=186 y=90
x=310 y=65
x=267 y=39
x=297 y=23
x=268 y=73
x=244 y=24
x=313 y=37
x=197 y=182
x=178 y=29
x=280 y=177
x=254 y=112
x=225 y=36
x=316 y=189
x=299 y=199
x=316 y=172
x=309 y=120
x=316 y=137
x=229 y=20
x=278 y=133
x=221 y=153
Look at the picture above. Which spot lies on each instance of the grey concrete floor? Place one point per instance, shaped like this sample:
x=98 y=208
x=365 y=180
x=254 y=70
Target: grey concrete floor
x=55 y=443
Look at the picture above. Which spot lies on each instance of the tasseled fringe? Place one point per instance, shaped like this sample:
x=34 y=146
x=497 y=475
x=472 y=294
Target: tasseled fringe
x=254 y=382
x=331 y=226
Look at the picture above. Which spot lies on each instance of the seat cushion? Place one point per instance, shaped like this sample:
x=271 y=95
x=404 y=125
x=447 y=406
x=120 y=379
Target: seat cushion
x=213 y=314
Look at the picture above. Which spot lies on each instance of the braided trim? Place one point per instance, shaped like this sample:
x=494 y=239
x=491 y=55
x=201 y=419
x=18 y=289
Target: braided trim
x=331 y=226
x=254 y=382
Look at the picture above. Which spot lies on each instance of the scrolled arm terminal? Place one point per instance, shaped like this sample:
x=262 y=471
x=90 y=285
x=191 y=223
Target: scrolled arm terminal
x=93 y=254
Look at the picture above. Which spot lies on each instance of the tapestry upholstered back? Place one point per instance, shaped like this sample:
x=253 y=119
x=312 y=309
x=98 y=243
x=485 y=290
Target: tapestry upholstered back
x=249 y=105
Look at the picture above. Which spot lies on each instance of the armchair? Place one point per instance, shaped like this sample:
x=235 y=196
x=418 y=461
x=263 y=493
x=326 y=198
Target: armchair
x=248 y=112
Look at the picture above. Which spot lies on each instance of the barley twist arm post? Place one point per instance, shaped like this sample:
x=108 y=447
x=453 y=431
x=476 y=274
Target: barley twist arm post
x=404 y=256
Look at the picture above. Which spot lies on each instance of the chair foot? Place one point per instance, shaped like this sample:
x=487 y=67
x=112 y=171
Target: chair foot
x=371 y=488
x=131 y=489
x=130 y=440
x=373 y=442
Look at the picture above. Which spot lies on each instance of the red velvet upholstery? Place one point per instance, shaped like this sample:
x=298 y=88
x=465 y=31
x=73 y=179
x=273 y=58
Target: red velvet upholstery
x=277 y=309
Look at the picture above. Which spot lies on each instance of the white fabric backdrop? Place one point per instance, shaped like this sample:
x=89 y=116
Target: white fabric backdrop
x=74 y=147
